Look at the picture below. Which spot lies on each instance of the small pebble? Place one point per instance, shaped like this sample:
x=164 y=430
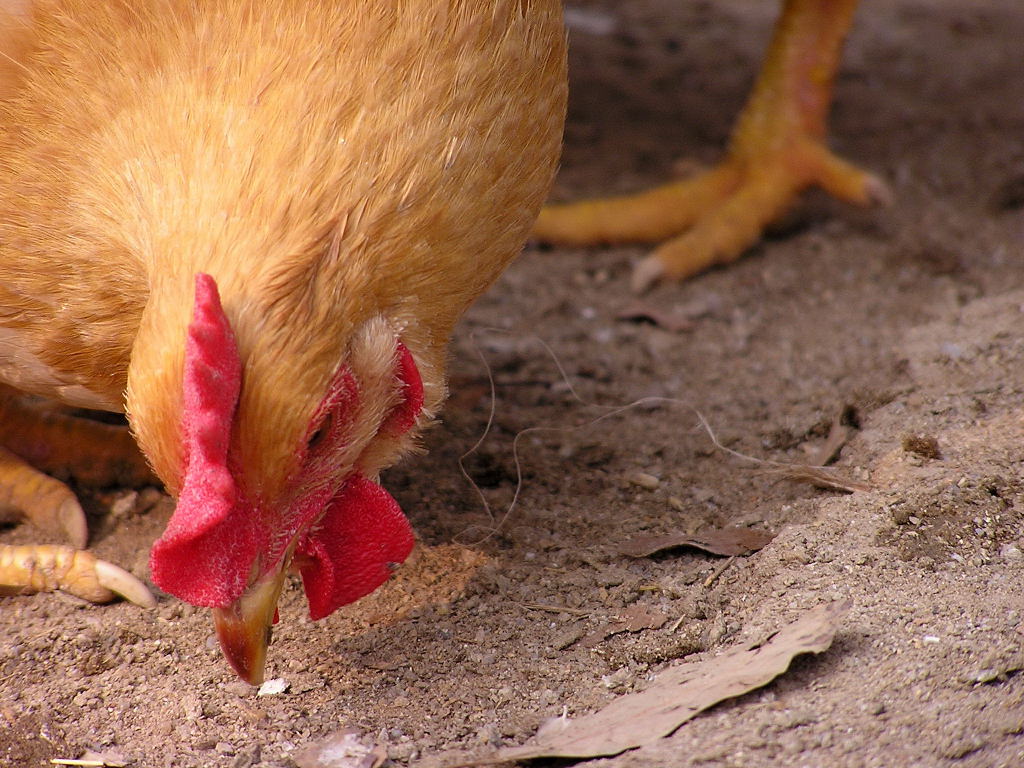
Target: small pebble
x=1011 y=552
x=986 y=675
x=273 y=687
x=644 y=480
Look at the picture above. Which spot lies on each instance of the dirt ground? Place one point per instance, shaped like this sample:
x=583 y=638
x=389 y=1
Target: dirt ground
x=909 y=318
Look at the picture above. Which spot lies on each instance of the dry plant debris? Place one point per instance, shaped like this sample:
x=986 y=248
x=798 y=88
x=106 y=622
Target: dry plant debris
x=925 y=446
x=815 y=472
x=819 y=476
x=727 y=542
x=677 y=695
x=636 y=618
x=839 y=432
x=342 y=749
x=93 y=760
x=826 y=478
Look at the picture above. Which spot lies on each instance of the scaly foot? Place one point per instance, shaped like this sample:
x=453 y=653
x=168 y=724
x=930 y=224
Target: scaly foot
x=36 y=441
x=777 y=150
x=28 y=569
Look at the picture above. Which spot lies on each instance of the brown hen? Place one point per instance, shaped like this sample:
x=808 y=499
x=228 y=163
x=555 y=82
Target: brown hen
x=252 y=225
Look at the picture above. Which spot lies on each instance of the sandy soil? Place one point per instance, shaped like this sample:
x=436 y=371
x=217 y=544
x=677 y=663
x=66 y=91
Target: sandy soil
x=911 y=317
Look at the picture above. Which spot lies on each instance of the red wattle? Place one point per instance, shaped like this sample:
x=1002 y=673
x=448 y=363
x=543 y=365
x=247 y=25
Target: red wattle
x=404 y=417
x=354 y=547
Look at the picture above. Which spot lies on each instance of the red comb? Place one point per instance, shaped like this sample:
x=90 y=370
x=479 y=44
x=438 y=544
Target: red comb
x=205 y=554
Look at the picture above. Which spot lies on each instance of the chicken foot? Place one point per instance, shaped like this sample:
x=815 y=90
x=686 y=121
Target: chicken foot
x=777 y=150
x=29 y=569
x=36 y=440
x=36 y=443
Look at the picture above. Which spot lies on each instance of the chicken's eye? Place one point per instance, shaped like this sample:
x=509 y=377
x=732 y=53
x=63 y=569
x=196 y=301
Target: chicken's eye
x=317 y=438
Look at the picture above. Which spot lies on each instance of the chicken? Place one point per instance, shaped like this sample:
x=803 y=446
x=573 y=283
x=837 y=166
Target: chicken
x=252 y=225
x=777 y=150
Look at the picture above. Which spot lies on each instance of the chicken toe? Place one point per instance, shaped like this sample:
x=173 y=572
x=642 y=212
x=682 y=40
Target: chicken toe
x=26 y=493
x=42 y=568
x=66 y=445
x=36 y=440
x=777 y=150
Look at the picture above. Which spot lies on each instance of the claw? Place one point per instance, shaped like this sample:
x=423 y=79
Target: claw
x=122 y=583
x=647 y=273
x=29 y=569
x=71 y=520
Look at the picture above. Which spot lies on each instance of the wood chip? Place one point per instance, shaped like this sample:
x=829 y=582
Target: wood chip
x=93 y=760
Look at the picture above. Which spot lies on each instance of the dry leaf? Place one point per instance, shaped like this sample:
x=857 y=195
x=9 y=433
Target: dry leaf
x=634 y=619
x=670 y=321
x=640 y=617
x=677 y=695
x=728 y=541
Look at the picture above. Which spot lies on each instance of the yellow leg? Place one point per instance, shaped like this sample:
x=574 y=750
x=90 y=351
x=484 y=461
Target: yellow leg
x=35 y=441
x=777 y=150
x=29 y=569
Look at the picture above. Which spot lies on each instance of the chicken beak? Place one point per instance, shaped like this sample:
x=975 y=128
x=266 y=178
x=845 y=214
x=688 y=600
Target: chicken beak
x=243 y=627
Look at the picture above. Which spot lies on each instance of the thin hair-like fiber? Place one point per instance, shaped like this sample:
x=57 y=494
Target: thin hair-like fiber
x=614 y=410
